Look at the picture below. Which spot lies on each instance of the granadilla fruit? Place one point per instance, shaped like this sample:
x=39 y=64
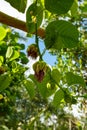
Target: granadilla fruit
x=33 y=51
x=40 y=68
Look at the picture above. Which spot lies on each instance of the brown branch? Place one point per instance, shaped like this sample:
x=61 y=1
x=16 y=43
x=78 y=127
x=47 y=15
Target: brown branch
x=11 y=21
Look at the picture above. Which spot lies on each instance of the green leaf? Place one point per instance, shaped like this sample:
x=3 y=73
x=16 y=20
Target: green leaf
x=1 y=60
x=58 y=6
x=24 y=60
x=3 y=127
x=2 y=33
x=2 y=43
x=58 y=97
x=20 y=5
x=56 y=75
x=43 y=88
x=22 y=46
x=15 y=55
x=84 y=8
x=9 y=51
x=84 y=96
x=61 y=34
x=4 y=81
x=34 y=15
x=51 y=88
x=74 y=79
x=67 y=97
x=30 y=87
x=74 y=9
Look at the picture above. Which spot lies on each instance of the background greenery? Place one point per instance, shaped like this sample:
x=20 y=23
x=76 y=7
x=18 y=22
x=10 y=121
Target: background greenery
x=45 y=98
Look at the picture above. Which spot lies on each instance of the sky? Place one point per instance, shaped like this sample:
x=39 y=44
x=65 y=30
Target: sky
x=6 y=8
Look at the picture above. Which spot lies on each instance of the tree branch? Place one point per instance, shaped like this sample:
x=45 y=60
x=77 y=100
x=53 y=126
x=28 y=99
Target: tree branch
x=11 y=21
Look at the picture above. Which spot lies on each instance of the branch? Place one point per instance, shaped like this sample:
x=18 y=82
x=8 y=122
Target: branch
x=13 y=22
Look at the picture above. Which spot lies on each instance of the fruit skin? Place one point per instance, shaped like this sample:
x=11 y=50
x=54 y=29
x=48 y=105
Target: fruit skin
x=33 y=51
x=40 y=68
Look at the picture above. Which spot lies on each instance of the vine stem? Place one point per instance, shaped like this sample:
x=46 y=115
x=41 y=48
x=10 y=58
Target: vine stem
x=58 y=84
x=36 y=36
x=43 y=52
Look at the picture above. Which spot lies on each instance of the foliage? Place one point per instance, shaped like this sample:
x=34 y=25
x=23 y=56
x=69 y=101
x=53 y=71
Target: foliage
x=38 y=101
x=19 y=5
x=64 y=35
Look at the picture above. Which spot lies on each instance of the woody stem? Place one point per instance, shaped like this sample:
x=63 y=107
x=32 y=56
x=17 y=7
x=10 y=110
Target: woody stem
x=36 y=36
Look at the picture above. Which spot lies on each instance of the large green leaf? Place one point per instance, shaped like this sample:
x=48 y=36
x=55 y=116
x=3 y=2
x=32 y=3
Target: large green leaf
x=2 y=33
x=58 y=97
x=30 y=87
x=4 y=81
x=61 y=34
x=34 y=15
x=58 y=6
x=74 y=79
x=20 y=5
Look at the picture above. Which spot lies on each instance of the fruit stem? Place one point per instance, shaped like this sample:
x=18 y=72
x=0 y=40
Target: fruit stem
x=43 y=52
